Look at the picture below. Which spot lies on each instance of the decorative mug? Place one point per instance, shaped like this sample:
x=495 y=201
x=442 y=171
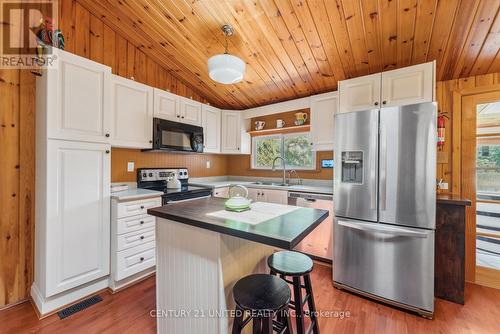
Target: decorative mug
x=301 y=117
x=259 y=125
x=280 y=123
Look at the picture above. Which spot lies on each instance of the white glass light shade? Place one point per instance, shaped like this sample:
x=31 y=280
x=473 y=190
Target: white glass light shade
x=226 y=69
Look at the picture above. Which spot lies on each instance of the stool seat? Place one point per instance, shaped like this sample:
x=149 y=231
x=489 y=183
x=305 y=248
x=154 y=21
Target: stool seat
x=290 y=263
x=261 y=292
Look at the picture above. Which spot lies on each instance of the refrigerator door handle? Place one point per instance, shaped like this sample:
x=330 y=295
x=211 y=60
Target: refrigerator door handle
x=384 y=229
x=383 y=166
x=373 y=166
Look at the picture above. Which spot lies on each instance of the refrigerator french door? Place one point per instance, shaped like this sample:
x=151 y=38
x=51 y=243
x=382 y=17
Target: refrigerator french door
x=385 y=204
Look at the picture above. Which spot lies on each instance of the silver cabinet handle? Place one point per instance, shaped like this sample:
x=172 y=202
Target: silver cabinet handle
x=383 y=229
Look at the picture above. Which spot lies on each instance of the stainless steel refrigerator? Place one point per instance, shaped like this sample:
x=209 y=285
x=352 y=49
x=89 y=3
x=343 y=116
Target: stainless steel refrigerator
x=385 y=204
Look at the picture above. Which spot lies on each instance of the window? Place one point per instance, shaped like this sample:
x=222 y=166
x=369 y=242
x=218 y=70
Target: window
x=295 y=148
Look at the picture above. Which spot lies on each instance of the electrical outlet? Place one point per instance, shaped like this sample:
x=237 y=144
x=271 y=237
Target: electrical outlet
x=130 y=166
x=443 y=186
x=209 y=164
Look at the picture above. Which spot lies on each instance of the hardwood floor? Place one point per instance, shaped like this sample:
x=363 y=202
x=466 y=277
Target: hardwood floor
x=128 y=312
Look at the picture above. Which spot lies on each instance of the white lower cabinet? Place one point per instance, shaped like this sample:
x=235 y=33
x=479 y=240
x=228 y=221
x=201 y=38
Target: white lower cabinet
x=268 y=195
x=132 y=240
x=72 y=219
x=222 y=192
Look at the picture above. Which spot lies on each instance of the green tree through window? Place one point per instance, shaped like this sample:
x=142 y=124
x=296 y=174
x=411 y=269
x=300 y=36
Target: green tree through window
x=294 y=148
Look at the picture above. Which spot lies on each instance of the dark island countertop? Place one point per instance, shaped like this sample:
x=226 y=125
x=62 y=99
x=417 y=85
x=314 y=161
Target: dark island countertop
x=452 y=199
x=284 y=231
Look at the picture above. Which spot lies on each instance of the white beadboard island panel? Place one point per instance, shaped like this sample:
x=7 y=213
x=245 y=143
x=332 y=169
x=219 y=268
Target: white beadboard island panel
x=196 y=270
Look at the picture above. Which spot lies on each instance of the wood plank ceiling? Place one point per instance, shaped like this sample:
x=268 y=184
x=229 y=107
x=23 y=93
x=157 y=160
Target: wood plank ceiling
x=295 y=48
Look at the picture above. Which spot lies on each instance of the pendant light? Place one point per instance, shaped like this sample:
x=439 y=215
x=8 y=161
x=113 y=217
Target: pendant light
x=225 y=68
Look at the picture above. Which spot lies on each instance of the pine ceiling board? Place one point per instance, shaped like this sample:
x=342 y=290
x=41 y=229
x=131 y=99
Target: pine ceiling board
x=321 y=21
x=456 y=41
x=327 y=71
x=256 y=73
x=298 y=36
x=489 y=48
x=426 y=10
x=354 y=24
x=338 y=26
x=126 y=27
x=292 y=48
x=279 y=28
x=371 y=24
x=226 y=14
x=388 y=23
x=495 y=65
x=268 y=44
x=483 y=21
x=150 y=20
x=283 y=48
x=407 y=10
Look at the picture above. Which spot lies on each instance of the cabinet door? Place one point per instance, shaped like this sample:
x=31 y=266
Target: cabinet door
x=76 y=96
x=211 y=120
x=132 y=110
x=78 y=214
x=275 y=196
x=255 y=194
x=190 y=111
x=359 y=93
x=323 y=110
x=166 y=105
x=231 y=132
x=409 y=85
x=221 y=192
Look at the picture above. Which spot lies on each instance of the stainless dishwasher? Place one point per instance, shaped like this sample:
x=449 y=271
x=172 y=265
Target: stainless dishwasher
x=319 y=243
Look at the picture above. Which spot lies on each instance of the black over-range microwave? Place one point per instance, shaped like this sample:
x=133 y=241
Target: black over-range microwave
x=175 y=136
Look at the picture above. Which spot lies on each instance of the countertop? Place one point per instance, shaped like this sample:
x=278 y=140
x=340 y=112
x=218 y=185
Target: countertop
x=251 y=184
x=284 y=231
x=135 y=193
x=453 y=199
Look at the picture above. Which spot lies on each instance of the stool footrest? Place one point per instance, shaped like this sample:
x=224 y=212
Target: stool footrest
x=246 y=321
x=304 y=300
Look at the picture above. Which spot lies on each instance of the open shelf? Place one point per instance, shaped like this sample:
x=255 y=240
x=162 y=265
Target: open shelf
x=297 y=128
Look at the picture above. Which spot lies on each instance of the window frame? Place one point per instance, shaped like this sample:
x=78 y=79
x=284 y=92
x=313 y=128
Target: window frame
x=282 y=137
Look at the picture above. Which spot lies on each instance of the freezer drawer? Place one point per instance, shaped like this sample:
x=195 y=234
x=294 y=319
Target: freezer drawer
x=391 y=262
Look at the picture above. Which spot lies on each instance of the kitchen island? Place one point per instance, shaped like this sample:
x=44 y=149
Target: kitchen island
x=203 y=250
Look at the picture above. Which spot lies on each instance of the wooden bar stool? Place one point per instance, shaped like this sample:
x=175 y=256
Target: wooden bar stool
x=297 y=266
x=263 y=297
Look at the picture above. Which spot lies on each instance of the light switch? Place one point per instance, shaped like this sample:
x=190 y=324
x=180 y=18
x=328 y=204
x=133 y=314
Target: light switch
x=443 y=186
x=209 y=164
x=130 y=166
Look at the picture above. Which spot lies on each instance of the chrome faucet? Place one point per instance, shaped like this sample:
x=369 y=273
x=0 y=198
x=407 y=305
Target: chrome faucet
x=284 y=167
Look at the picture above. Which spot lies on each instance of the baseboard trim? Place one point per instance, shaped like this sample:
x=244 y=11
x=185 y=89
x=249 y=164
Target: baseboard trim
x=45 y=307
x=130 y=281
x=7 y=306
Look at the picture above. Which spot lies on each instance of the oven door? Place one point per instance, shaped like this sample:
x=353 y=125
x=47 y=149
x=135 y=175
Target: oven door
x=175 y=136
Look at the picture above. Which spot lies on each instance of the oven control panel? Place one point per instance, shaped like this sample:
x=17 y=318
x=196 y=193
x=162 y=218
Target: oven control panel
x=161 y=174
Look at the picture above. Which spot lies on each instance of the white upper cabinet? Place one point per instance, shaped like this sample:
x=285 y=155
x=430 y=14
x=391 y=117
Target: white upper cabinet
x=190 y=111
x=76 y=225
x=409 y=85
x=211 y=122
x=75 y=95
x=166 y=105
x=323 y=110
x=359 y=93
x=132 y=113
x=235 y=139
x=231 y=139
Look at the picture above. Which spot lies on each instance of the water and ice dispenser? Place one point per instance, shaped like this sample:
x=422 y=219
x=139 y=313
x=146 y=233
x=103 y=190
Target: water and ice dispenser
x=352 y=167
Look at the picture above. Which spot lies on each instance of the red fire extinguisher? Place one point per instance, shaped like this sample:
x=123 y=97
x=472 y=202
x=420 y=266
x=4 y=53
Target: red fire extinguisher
x=440 y=129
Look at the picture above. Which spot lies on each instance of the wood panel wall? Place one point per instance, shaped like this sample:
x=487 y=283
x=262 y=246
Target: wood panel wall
x=86 y=35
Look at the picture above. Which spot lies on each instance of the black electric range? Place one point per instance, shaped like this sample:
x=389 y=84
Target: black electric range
x=157 y=178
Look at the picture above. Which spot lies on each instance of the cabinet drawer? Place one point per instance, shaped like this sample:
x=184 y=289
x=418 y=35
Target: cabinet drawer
x=135 y=238
x=134 y=223
x=139 y=207
x=134 y=260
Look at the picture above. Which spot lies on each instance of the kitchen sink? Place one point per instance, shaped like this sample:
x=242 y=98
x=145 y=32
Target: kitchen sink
x=278 y=184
